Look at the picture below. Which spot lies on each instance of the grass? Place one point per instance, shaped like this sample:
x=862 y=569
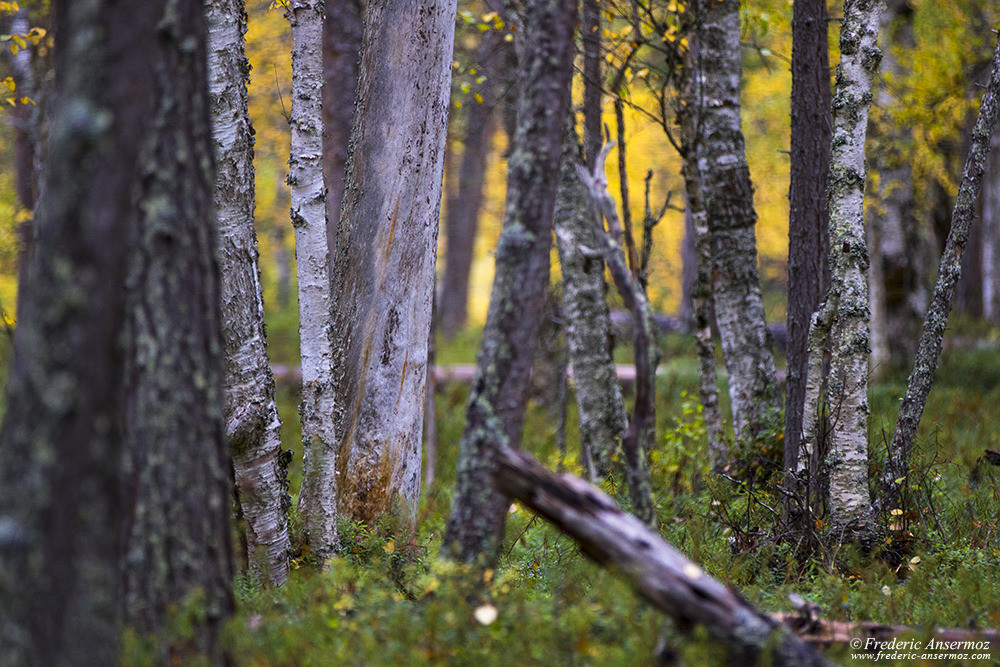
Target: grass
x=388 y=599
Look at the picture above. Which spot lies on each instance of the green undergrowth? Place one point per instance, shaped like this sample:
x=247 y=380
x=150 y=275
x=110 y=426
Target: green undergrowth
x=389 y=599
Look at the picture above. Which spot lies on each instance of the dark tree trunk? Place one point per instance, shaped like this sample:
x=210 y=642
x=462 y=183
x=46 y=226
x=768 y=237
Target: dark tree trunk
x=497 y=402
x=342 y=31
x=177 y=533
x=461 y=222
x=593 y=83
x=808 y=273
x=102 y=375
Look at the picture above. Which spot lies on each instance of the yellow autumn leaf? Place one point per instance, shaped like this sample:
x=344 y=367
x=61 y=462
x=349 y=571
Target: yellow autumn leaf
x=390 y=547
x=9 y=82
x=479 y=98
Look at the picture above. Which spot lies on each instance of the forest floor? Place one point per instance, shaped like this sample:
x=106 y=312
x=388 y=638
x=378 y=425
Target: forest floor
x=390 y=600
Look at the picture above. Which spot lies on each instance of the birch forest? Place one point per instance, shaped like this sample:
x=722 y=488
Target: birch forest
x=494 y=332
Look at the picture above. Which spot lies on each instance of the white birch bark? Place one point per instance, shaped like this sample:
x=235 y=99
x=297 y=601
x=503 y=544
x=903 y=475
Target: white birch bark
x=317 y=501
x=383 y=270
x=845 y=314
x=991 y=234
x=252 y=423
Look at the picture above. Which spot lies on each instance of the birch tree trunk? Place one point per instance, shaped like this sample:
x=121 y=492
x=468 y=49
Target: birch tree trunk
x=383 y=271
x=991 y=234
x=603 y=418
x=318 y=498
x=841 y=325
x=714 y=150
x=593 y=81
x=949 y=272
x=496 y=403
x=252 y=423
x=808 y=272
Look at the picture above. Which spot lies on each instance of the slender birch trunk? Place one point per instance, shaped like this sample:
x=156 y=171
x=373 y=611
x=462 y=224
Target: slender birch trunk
x=496 y=403
x=318 y=498
x=841 y=324
x=593 y=80
x=715 y=164
x=991 y=234
x=949 y=272
x=252 y=423
x=603 y=418
x=383 y=271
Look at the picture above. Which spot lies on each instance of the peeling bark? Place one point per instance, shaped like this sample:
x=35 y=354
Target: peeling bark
x=318 y=498
x=721 y=197
x=496 y=403
x=383 y=271
x=177 y=534
x=603 y=418
x=252 y=423
x=949 y=272
x=841 y=325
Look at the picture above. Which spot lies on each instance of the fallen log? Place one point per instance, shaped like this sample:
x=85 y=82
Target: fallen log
x=659 y=573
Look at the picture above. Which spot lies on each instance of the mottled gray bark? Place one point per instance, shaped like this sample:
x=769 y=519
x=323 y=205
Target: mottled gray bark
x=177 y=533
x=657 y=571
x=641 y=433
x=808 y=273
x=991 y=234
x=603 y=418
x=318 y=498
x=898 y=260
x=715 y=164
x=61 y=448
x=497 y=401
x=252 y=423
x=342 y=31
x=949 y=272
x=845 y=314
x=465 y=202
x=383 y=271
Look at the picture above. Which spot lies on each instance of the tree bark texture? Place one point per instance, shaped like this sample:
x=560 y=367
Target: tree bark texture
x=808 y=273
x=659 y=573
x=640 y=436
x=252 y=423
x=603 y=418
x=465 y=203
x=177 y=534
x=61 y=449
x=497 y=400
x=899 y=300
x=318 y=498
x=383 y=273
x=949 y=272
x=593 y=81
x=991 y=234
x=342 y=32
x=846 y=309
x=714 y=150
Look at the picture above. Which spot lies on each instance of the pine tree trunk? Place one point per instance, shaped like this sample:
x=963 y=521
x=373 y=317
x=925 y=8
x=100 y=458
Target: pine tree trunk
x=342 y=31
x=318 y=498
x=603 y=418
x=714 y=148
x=383 y=272
x=808 y=273
x=252 y=423
x=949 y=272
x=464 y=204
x=61 y=445
x=845 y=311
x=177 y=536
x=497 y=401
